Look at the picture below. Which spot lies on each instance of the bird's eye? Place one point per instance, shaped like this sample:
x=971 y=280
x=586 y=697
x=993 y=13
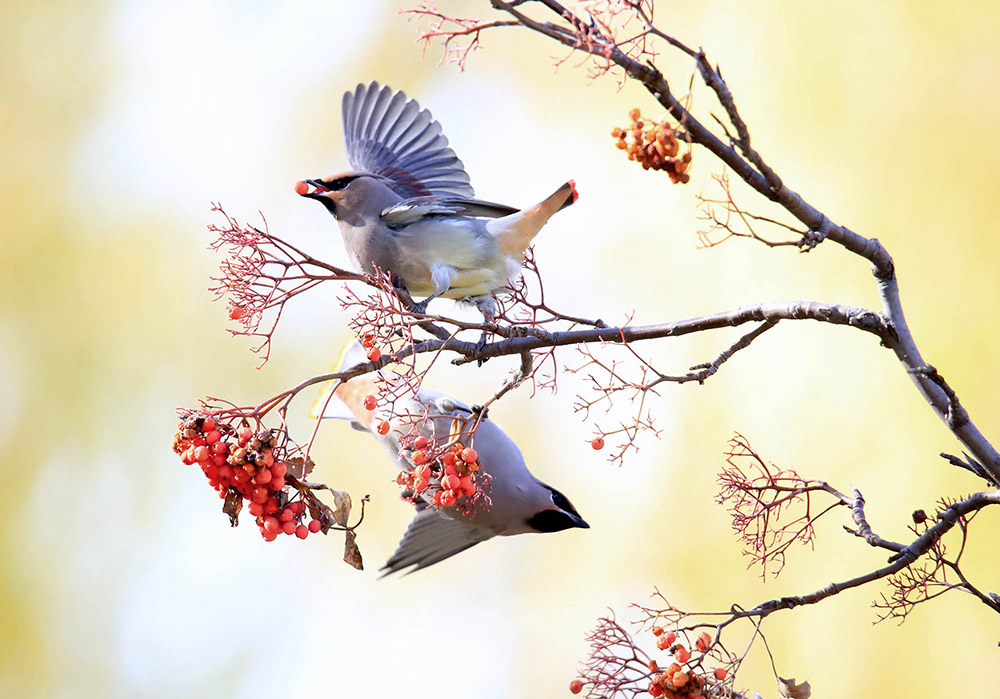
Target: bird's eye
x=562 y=502
x=340 y=182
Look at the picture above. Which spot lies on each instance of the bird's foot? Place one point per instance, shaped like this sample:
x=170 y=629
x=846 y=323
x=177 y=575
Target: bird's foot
x=478 y=410
x=480 y=346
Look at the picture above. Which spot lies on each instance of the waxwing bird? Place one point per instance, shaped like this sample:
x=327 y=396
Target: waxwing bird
x=518 y=502
x=408 y=208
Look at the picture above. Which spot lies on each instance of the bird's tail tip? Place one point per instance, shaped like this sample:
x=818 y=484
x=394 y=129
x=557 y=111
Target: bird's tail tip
x=571 y=184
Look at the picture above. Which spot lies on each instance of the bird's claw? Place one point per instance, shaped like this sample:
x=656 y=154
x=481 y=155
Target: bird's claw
x=480 y=346
x=478 y=410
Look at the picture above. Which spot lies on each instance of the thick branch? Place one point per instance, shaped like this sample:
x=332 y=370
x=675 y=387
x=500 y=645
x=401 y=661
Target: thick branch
x=900 y=560
x=752 y=169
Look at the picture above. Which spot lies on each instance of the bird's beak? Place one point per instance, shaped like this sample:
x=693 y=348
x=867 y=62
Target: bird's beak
x=579 y=521
x=311 y=189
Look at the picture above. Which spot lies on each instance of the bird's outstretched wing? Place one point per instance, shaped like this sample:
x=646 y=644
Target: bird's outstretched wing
x=411 y=210
x=431 y=538
x=389 y=135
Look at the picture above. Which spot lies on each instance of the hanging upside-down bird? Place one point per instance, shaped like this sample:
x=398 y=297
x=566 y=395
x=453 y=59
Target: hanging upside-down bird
x=516 y=502
x=408 y=207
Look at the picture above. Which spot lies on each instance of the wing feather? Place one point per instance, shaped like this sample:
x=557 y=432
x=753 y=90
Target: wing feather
x=414 y=209
x=389 y=135
x=431 y=538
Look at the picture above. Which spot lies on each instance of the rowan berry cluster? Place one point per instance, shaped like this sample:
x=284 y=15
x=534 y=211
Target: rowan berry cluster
x=654 y=146
x=245 y=466
x=685 y=678
x=446 y=475
x=682 y=678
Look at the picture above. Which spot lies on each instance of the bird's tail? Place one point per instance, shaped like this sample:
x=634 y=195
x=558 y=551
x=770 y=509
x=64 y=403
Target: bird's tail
x=515 y=232
x=345 y=401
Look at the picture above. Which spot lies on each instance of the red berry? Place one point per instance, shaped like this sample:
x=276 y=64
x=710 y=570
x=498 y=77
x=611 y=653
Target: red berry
x=682 y=654
x=245 y=435
x=576 y=686
x=263 y=476
x=286 y=515
x=720 y=673
x=703 y=642
x=419 y=456
x=422 y=471
x=451 y=482
x=235 y=312
x=383 y=427
x=201 y=454
x=597 y=443
x=447 y=498
x=260 y=495
x=657 y=630
x=467 y=486
x=212 y=437
x=369 y=403
x=255 y=509
x=448 y=459
x=368 y=342
x=420 y=484
x=655 y=690
x=208 y=424
x=302 y=531
x=288 y=527
x=315 y=526
x=279 y=469
x=271 y=524
x=268 y=536
x=663 y=643
x=276 y=483
x=374 y=354
x=671 y=637
x=301 y=188
x=220 y=449
x=271 y=506
x=469 y=455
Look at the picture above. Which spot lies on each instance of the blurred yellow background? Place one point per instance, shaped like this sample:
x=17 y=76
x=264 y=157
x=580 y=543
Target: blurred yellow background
x=121 y=122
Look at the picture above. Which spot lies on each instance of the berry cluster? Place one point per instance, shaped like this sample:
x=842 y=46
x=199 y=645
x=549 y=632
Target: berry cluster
x=682 y=678
x=444 y=475
x=654 y=146
x=242 y=465
x=685 y=677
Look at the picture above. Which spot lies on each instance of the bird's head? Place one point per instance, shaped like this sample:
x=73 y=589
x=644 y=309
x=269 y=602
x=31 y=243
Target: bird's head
x=349 y=194
x=559 y=515
x=328 y=191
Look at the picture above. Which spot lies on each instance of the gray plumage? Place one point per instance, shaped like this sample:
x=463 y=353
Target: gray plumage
x=407 y=208
x=519 y=503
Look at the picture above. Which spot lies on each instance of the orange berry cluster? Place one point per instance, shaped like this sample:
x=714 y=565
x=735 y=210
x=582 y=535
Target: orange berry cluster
x=654 y=146
x=445 y=477
x=682 y=678
x=242 y=465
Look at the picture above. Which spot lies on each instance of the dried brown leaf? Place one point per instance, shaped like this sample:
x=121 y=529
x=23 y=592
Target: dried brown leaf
x=789 y=690
x=298 y=467
x=232 y=506
x=352 y=554
x=341 y=507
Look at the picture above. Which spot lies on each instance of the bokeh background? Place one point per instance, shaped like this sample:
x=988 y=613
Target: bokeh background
x=121 y=121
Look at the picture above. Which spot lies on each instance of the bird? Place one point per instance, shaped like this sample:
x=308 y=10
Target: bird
x=516 y=501
x=408 y=209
